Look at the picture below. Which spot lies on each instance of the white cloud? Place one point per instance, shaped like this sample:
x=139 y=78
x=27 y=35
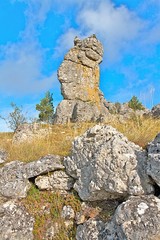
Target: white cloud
x=20 y=71
x=116 y=26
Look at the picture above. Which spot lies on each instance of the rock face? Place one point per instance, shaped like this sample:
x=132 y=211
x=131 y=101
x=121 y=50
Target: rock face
x=153 y=166
x=137 y=218
x=107 y=166
x=15 y=222
x=155 y=112
x=79 y=78
x=28 y=132
x=56 y=180
x=14 y=176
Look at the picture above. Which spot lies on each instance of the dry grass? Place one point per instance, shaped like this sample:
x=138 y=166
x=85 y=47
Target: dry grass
x=138 y=129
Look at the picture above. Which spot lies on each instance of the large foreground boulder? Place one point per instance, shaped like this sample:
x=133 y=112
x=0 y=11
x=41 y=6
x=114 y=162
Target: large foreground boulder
x=136 y=219
x=14 y=175
x=153 y=163
x=107 y=166
x=15 y=222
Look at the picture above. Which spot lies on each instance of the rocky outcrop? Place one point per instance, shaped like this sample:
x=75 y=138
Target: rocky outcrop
x=14 y=176
x=155 y=111
x=15 y=222
x=57 y=180
x=153 y=163
x=79 y=78
x=137 y=218
x=107 y=166
x=28 y=132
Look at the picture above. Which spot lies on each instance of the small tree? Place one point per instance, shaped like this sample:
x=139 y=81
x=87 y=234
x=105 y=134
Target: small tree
x=46 y=108
x=15 y=118
x=135 y=104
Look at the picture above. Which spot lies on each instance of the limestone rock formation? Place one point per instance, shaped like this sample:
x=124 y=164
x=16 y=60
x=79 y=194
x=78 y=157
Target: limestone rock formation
x=137 y=218
x=153 y=163
x=14 y=175
x=155 y=111
x=107 y=166
x=79 y=78
x=15 y=222
x=28 y=132
x=56 y=180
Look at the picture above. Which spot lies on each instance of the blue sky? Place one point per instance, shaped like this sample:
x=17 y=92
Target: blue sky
x=35 y=35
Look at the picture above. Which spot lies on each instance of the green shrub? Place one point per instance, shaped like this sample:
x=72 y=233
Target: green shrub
x=135 y=104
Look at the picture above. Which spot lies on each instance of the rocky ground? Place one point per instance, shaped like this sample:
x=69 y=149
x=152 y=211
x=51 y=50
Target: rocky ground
x=118 y=185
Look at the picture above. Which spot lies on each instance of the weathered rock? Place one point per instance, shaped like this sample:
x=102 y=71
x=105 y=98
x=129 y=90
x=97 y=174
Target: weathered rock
x=14 y=175
x=15 y=222
x=90 y=230
x=155 y=111
x=68 y=213
x=153 y=163
x=3 y=156
x=57 y=180
x=43 y=165
x=107 y=166
x=79 y=78
x=28 y=132
x=137 y=218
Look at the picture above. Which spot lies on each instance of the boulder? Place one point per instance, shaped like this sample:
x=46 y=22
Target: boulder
x=153 y=163
x=106 y=165
x=14 y=175
x=15 y=222
x=79 y=78
x=57 y=180
x=27 y=132
x=137 y=218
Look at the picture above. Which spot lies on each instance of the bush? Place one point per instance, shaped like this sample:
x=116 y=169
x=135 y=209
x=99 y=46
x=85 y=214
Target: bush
x=135 y=104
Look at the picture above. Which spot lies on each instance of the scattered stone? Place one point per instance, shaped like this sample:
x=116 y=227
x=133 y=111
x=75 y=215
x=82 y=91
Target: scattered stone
x=14 y=175
x=57 y=180
x=137 y=218
x=15 y=222
x=107 y=166
x=68 y=213
x=28 y=132
x=90 y=230
x=3 y=156
x=51 y=231
x=153 y=163
x=79 y=78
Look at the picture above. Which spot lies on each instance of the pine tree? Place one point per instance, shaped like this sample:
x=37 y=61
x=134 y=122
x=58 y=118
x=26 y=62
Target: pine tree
x=135 y=104
x=46 y=108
